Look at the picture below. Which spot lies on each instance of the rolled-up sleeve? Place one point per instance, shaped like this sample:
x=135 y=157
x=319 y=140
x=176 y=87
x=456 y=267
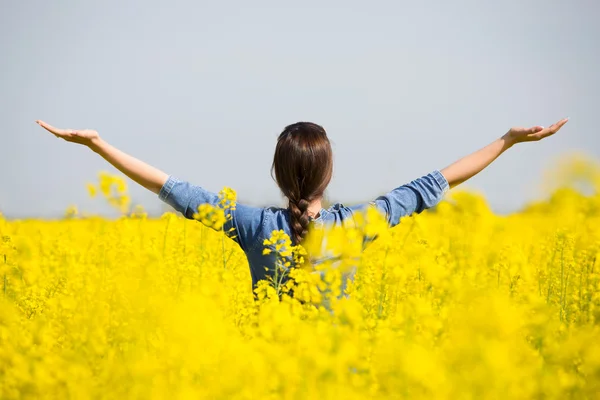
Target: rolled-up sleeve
x=242 y=225
x=185 y=197
x=413 y=197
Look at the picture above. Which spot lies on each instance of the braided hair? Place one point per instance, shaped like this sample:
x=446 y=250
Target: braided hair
x=303 y=167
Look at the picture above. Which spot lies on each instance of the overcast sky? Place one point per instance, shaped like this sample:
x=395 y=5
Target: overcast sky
x=202 y=90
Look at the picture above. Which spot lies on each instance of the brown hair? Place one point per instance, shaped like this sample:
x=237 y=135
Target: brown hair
x=303 y=166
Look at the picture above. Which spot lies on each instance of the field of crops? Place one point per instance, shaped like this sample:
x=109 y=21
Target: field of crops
x=456 y=302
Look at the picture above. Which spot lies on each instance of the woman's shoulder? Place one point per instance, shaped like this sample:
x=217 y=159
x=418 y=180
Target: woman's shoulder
x=342 y=208
x=338 y=212
x=334 y=213
x=278 y=217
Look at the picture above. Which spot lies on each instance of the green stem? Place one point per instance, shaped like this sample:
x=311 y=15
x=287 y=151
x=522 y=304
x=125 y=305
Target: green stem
x=275 y=281
x=280 y=283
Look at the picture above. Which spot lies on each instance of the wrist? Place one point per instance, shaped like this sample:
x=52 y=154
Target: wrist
x=96 y=144
x=509 y=139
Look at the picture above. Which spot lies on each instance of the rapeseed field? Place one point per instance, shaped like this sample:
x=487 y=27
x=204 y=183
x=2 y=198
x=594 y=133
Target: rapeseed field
x=454 y=303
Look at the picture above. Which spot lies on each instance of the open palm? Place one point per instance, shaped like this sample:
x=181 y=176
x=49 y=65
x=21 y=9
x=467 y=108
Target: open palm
x=85 y=136
x=535 y=133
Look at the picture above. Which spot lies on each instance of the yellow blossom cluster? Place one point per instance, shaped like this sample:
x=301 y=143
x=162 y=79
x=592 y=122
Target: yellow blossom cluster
x=457 y=302
x=216 y=216
x=114 y=190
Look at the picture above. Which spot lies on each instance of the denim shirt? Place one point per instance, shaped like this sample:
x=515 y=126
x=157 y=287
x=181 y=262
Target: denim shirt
x=252 y=225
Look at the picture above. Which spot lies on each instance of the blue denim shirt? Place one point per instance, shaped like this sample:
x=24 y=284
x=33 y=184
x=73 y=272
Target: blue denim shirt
x=252 y=225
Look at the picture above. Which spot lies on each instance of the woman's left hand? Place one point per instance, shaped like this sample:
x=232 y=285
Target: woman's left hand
x=533 y=134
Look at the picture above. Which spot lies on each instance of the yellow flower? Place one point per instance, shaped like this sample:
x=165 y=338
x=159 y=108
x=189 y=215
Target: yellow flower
x=93 y=307
x=92 y=190
x=210 y=216
x=71 y=212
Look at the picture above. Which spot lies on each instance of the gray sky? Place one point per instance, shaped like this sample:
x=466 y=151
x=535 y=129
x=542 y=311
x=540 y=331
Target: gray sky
x=202 y=89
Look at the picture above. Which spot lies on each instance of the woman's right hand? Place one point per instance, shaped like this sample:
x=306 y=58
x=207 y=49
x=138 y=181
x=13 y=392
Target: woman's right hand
x=86 y=137
x=146 y=175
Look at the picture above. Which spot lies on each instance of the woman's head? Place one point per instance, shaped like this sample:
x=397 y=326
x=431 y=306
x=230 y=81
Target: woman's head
x=303 y=166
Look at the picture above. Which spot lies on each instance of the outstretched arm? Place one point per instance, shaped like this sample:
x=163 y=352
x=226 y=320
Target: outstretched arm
x=146 y=175
x=427 y=191
x=471 y=165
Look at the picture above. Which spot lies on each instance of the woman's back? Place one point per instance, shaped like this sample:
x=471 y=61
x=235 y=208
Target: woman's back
x=251 y=226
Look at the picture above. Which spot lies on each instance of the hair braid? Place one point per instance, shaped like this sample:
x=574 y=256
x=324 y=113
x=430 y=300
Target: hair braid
x=299 y=219
x=303 y=166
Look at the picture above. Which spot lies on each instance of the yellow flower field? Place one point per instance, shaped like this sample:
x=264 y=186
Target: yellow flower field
x=455 y=303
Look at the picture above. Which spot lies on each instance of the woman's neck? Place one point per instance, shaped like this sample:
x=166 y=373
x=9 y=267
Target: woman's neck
x=314 y=208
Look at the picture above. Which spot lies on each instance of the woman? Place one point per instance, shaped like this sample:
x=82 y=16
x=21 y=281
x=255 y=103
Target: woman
x=303 y=168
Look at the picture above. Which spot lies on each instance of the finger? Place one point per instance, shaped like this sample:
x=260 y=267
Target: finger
x=556 y=126
x=551 y=130
x=535 y=129
x=51 y=128
x=530 y=134
x=560 y=124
